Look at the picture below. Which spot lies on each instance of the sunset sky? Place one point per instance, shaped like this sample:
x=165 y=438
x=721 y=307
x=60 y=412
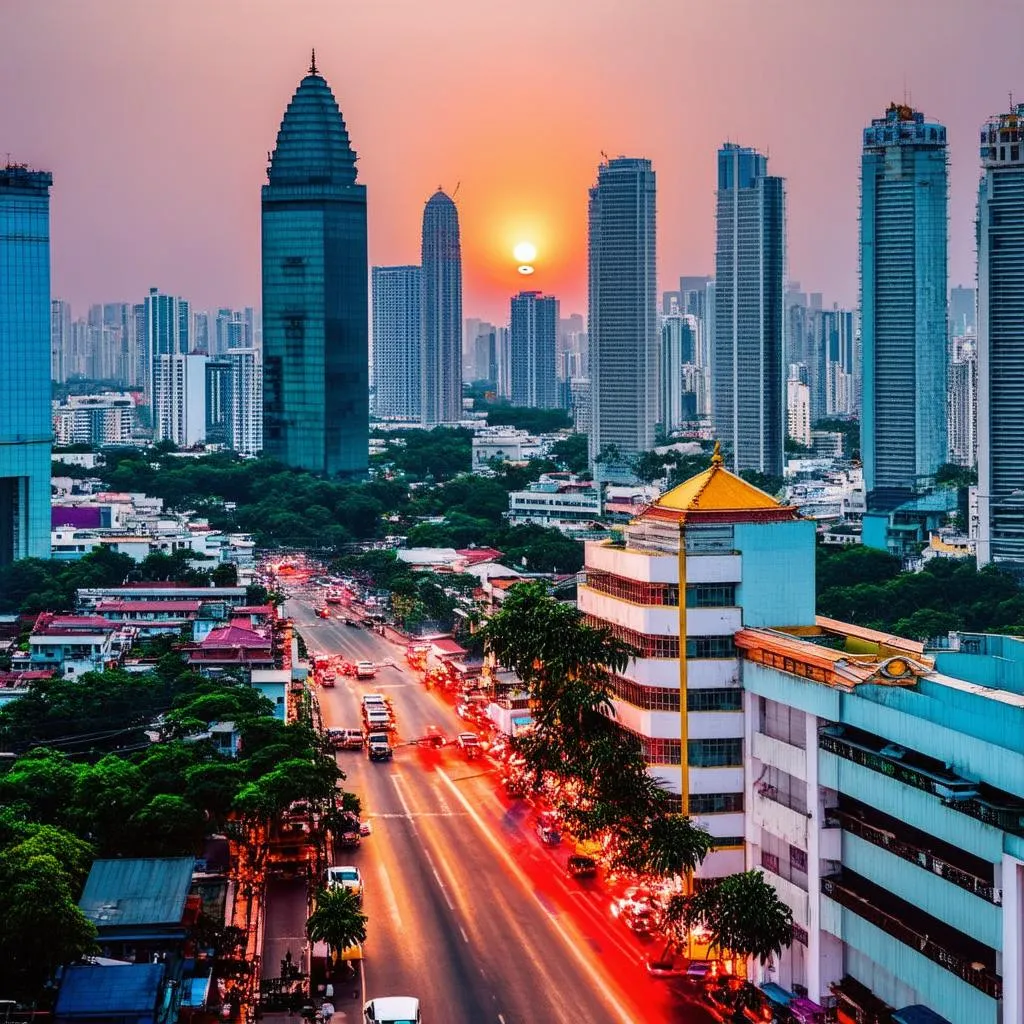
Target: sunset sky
x=155 y=117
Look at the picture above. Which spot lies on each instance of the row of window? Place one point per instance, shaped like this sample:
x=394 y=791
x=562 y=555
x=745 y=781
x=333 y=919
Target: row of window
x=709 y=753
x=716 y=803
x=698 y=595
x=661 y=646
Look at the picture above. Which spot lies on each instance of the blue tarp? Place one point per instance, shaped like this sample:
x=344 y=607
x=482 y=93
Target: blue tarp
x=125 y=991
x=777 y=994
x=917 y=1014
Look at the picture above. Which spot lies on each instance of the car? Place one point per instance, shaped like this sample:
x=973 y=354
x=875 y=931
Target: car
x=346 y=876
x=380 y=750
x=433 y=737
x=469 y=742
x=375 y=698
x=548 y=828
x=392 y=1010
x=365 y=670
x=352 y=623
x=378 y=719
x=348 y=832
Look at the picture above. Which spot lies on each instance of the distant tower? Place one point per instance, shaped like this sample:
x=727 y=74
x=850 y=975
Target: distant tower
x=1000 y=335
x=315 y=291
x=623 y=312
x=534 y=336
x=747 y=377
x=441 y=353
x=397 y=326
x=25 y=324
x=903 y=225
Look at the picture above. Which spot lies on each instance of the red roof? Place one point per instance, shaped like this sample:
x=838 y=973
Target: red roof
x=446 y=645
x=18 y=679
x=61 y=625
x=233 y=636
x=475 y=556
x=148 y=606
x=255 y=609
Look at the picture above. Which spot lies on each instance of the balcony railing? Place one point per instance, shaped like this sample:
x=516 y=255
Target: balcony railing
x=916 y=855
x=956 y=793
x=975 y=974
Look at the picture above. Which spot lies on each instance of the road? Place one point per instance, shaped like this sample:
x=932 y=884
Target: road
x=467 y=910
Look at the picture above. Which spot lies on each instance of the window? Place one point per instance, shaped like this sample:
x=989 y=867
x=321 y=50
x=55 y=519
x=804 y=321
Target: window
x=717 y=842
x=711 y=595
x=633 y=590
x=715 y=753
x=650 y=698
x=710 y=647
x=714 y=700
x=770 y=862
x=710 y=540
x=716 y=803
x=647 y=646
x=798 y=858
x=782 y=722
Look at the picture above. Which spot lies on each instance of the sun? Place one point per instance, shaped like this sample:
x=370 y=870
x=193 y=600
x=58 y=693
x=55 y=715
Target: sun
x=525 y=252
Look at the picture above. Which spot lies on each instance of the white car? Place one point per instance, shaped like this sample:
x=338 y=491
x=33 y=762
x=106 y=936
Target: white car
x=347 y=876
x=392 y=1010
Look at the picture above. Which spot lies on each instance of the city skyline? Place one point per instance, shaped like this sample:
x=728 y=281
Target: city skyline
x=216 y=128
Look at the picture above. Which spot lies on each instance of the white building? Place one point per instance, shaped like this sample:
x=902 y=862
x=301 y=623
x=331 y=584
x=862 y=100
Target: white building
x=506 y=444
x=798 y=411
x=246 y=401
x=180 y=399
x=397 y=326
x=557 y=500
x=106 y=418
x=963 y=403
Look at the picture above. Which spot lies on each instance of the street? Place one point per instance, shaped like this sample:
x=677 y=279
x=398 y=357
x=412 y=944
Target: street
x=467 y=910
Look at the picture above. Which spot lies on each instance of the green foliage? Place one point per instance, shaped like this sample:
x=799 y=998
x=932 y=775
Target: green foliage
x=850 y=429
x=337 y=920
x=951 y=475
x=437 y=454
x=866 y=587
x=571 y=453
x=536 y=421
x=35 y=584
x=766 y=482
x=742 y=914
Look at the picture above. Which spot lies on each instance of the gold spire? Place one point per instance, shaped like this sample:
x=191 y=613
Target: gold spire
x=716 y=457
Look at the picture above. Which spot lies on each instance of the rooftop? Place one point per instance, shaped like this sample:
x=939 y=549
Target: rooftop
x=49 y=624
x=109 y=992
x=148 y=606
x=130 y=892
x=234 y=636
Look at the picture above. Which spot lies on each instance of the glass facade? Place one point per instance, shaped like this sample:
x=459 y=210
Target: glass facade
x=397 y=329
x=315 y=291
x=534 y=338
x=903 y=224
x=25 y=426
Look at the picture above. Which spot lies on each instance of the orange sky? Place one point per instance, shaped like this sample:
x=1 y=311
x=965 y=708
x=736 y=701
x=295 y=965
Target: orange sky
x=155 y=118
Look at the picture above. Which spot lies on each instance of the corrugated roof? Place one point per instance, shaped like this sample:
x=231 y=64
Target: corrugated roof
x=108 y=992
x=137 y=891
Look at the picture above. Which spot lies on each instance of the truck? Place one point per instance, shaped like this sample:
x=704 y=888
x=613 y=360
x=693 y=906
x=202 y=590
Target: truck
x=365 y=670
x=392 y=1010
x=328 y=677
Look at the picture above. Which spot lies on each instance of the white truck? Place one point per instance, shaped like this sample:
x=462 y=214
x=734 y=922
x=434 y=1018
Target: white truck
x=392 y=1010
x=365 y=670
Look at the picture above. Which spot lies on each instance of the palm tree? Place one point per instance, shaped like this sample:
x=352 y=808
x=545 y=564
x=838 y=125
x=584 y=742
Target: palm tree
x=671 y=845
x=744 y=915
x=337 y=919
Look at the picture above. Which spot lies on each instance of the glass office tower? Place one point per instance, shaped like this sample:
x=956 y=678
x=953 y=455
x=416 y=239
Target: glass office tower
x=25 y=426
x=905 y=349
x=315 y=291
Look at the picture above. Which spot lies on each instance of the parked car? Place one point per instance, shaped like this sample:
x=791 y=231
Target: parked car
x=469 y=743
x=347 y=876
x=348 y=832
x=581 y=867
x=433 y=737
x=378 y=746
x=352 y=623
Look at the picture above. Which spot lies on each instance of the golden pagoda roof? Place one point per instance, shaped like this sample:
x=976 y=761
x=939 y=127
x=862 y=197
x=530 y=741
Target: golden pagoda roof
x=716 y=490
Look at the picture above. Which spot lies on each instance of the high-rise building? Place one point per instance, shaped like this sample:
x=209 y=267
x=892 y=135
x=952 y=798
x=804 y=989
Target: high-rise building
x=201 y=331
x=572 y=347
x=397 y=323
x=25 y=345
x=963 y=315
x=179 y=399
x=218 y=402
x=534 y=336
x=245 y=414
x=441 y=308
x=167 y=333
x=503 y=355
x=836 y=394
x=622 y=313
x=60 y=339
x=485 y=353
x=963 y=402
x=315 y=291
x=750 y=256
x=675 y=337
x=1001 y=340
x=903 y=224
x=798 y=408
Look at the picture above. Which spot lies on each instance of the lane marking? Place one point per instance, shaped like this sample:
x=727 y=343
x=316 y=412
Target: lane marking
x=389 y=894
x=464 y=935
x=437 y=878
x=405 y=803
x=595 y=976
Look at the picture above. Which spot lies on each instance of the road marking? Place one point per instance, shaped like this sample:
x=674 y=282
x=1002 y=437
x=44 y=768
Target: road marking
x=501 y=1020
x=595 y=976
x=389 y=894
x=419 y=814
x=403 y=801
x=437 y=877
x=464 y=935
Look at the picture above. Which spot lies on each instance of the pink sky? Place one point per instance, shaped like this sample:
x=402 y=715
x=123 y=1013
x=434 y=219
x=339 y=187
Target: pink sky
x=155 y=117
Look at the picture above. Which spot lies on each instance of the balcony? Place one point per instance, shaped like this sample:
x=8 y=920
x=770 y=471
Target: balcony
x=915 y=854
x=957 y=953
x=770 y=813
x=981 y=802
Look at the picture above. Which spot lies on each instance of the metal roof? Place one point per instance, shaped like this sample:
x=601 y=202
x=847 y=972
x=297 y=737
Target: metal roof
x=137 y=891
x=94 y=991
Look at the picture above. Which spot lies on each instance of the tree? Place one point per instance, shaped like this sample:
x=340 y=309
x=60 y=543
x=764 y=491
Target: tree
x=42 y=785
x=571 y=453
x=166 y=826
x=225 y=575
x=337 y=919
x=672 y=846
x=742 y=914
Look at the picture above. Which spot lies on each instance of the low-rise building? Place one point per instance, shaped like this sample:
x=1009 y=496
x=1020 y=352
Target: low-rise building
x=230 y=649
x=106 y=418
x=71 y=645
x=558 y=500
x=503 y=444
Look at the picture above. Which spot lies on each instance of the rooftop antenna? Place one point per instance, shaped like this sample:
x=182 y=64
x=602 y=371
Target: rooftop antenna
x=457 y=186
x=312 y=63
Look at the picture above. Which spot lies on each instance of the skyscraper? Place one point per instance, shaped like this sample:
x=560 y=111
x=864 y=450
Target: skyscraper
x=441 y=359
x=25 y=426
x=60 y=339
x=1001 y=340
x=622 y=312
x=179 y=399
x=164 y=335
x=903 y=222
x=750 y=256
x=245 y=413
x=397 y=323
x=534 y=336
x=315 y=291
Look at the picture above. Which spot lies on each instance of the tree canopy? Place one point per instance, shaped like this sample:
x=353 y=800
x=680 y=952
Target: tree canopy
x=536 y=421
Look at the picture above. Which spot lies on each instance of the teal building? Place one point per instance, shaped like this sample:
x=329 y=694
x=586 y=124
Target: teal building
x=25 y=426
x=315 y=291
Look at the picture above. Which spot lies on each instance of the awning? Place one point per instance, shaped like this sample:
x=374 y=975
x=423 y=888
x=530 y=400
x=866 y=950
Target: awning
x=917 y=1014
x=777 y=994
x=522 y=723
x=806 y=1011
